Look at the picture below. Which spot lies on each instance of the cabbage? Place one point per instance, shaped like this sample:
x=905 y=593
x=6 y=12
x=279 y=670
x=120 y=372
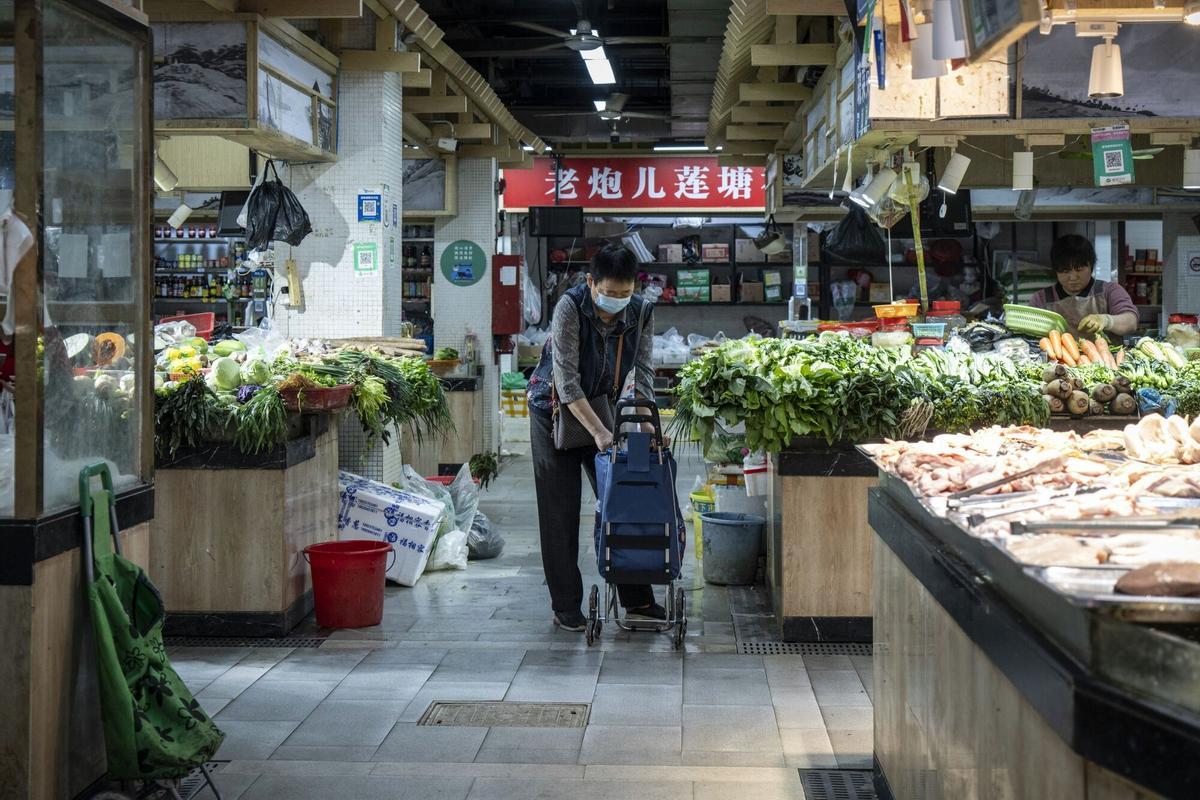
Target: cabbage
x=228 y=374
x=256 y=372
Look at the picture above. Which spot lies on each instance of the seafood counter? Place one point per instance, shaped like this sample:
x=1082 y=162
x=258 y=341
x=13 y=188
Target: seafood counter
x=1069 y=562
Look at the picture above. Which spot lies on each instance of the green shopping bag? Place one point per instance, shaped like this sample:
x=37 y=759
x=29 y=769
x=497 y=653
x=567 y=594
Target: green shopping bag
x=153 y=726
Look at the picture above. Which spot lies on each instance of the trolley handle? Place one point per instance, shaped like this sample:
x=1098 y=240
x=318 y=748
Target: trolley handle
x=626 y=416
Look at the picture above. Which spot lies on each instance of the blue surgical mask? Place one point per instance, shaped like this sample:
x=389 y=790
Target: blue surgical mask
x=611 y=305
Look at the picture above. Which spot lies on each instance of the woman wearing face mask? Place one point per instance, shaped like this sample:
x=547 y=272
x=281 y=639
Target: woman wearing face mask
x=1089 y=306
x=594 y=325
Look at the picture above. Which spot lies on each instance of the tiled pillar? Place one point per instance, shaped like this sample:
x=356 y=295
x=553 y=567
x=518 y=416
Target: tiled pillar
x=339 y=300
x=457 y=309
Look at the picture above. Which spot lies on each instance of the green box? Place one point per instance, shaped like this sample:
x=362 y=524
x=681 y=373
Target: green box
x=693 y=294
x=693 y=277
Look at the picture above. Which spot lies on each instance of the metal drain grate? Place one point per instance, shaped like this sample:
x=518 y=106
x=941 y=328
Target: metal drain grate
x=235 y=641
x=194 y=783
x=837 y=784
x=769 y=649
x=835 y=649
x=507 y=715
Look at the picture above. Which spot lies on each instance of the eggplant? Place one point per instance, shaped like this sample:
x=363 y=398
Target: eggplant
x=1104 y=393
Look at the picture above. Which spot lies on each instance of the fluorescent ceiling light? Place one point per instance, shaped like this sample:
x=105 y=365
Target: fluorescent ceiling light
x=1022 y=176
x=601 y=71
x=595 y=54
x=528 y=148
x=1191 y=12
x=600 y=104
x=681 y=148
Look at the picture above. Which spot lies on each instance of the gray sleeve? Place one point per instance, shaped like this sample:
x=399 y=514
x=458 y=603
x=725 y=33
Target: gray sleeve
x=564 y=332
x=644 y=368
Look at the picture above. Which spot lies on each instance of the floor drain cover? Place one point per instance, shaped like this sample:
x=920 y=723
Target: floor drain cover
x=507 y=715
x=769 y=649
x=236 y=641
x=837 y=784
x=195 y=781
x=835 y=649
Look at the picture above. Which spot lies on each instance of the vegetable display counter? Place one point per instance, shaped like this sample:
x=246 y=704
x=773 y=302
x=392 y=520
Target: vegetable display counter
x=445 y=453
x=989 y=683
x=230 y=529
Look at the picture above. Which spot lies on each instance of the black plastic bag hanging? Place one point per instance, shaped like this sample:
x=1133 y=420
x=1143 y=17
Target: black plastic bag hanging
x=854 y=241
x=274 y=214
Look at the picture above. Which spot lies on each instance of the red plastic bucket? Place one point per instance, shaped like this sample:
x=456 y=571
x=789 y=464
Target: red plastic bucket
x=348 y=580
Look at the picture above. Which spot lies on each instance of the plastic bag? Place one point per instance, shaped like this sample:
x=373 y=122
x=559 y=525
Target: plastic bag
x=533 y=302
x=449 y=552
x=483 y=540
x=513 y=381
x=412 y=482
x=853 y=241
x=274 y=214
x=670 y=349
x=844 y=295
x=465 y=496
x=264 y=341
x=7 y=411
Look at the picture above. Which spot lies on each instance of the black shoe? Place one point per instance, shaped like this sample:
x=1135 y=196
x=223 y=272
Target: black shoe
x=570 y=620
x=653 y=611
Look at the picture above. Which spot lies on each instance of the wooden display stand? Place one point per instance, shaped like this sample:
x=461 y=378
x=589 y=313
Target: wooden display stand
x=230 y=530
x=819 y=547
x=433 y=456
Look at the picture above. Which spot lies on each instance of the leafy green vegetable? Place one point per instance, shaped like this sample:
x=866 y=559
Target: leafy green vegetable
x=261 y=422
x=446 y=354
x=186 y=415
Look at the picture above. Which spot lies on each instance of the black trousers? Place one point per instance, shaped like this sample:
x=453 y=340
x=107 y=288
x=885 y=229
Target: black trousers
x=557 y=478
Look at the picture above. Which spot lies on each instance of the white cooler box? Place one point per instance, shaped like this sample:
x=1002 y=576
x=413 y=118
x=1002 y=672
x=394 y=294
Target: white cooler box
x=376 y=511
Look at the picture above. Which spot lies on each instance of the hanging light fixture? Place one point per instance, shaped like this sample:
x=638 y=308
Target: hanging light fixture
x=954 y=172
x=164 y=176
x=874 y=190
x=947 y=43
x=1022 y=171
x=1106 y=78
x=1191 y=169
x=924 y=65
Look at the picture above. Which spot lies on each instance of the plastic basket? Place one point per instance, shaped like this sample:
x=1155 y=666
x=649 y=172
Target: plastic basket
x=929 y=330
x=1030 y=321
x=203 y=323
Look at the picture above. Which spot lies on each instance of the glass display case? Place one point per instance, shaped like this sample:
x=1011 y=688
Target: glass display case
x=75 y=151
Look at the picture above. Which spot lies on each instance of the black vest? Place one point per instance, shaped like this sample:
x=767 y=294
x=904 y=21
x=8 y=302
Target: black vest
x=597 y=353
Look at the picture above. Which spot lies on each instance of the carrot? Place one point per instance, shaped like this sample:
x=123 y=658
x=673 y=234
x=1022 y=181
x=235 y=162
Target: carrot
x=1045 y=345
x=1056 y=345
x=1069 y=359
x=1120 y=357
x=1070 y=346
x=1083 y=359
x=1102 y=347
x=1091 y=351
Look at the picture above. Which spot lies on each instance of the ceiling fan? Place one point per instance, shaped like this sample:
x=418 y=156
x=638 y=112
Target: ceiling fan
x=583 y=37
x=611 y=110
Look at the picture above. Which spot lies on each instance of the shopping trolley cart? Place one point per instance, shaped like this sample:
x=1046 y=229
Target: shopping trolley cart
x=639 y=532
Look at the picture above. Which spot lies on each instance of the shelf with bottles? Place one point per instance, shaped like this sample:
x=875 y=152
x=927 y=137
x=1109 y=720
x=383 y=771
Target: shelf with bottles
x=417 y=232
x=417 y=257
x=210 y=286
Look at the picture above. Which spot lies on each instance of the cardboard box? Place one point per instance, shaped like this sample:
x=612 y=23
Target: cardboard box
x=782 y=257
x=408 y=522
x=714 y=253
x=746 y=253
x=752 y=292
x=693 y=277
x=722 y=293
x=880 y=293
x=670 y=253
x=693 y=294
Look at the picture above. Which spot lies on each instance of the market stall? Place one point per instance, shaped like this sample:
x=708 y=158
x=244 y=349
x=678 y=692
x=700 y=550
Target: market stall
x=1038 y=590
x=248 y=459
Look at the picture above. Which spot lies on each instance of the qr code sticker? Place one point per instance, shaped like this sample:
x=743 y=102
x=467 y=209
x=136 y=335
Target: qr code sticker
x=1114 y=161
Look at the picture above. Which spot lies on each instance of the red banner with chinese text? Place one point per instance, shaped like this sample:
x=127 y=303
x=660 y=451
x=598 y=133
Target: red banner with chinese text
x=636 y=183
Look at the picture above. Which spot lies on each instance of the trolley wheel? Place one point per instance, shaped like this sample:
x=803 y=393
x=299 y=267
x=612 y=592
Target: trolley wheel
x=680 y=618
x=591 y=632
x=593 y=623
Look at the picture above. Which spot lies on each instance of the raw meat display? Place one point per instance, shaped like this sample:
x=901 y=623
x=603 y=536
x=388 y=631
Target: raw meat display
x=1162 y=580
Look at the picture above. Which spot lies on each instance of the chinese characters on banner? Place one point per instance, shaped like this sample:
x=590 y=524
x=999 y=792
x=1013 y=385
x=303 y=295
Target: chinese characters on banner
x=636 y=183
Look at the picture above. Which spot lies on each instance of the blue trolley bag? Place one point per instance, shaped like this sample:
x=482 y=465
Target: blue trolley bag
x=639 y=532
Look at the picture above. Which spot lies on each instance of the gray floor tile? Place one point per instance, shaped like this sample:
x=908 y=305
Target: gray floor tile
x=848 y=718
x=725 y=687
x=629 y=668
x=786 y=672
x=623 y=704
x=554 y=684
x=288 y=752
x=808 y=749
x=534 y=738
x=823 y=663
x=253 y=740
x=731 y=758
x=277 y=700
x=451 y=693
x=233 y=682
x=491 y=666
x=618 y=744
x=315 y=665
x=586 y=659
x=347 y=723
x=496 y=789
x=409 y=742
x=854 y=748
x=799 y=714
x=382 y=681
x=524 y=755
x=734 y=790
x=275 y=787
x=841 y=681
x=722 y=661
x=231 y=787
x=718 y=728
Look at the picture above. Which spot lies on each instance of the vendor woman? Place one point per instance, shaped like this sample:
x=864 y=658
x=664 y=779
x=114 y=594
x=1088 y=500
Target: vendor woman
x=1089 y=306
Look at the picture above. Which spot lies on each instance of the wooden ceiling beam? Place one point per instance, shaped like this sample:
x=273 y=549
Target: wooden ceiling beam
x=807 y=8
x=224 y=6
x=792 y=55
x=303 y=9
x=473 y=131
x=387 y=34
x=499 y=151
x=451 y=104
x=782 y=92
x=421 y=79
x=749 y=148
x=753 y=133
x=751 y=115
x=741 y=161
x=379 y=61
